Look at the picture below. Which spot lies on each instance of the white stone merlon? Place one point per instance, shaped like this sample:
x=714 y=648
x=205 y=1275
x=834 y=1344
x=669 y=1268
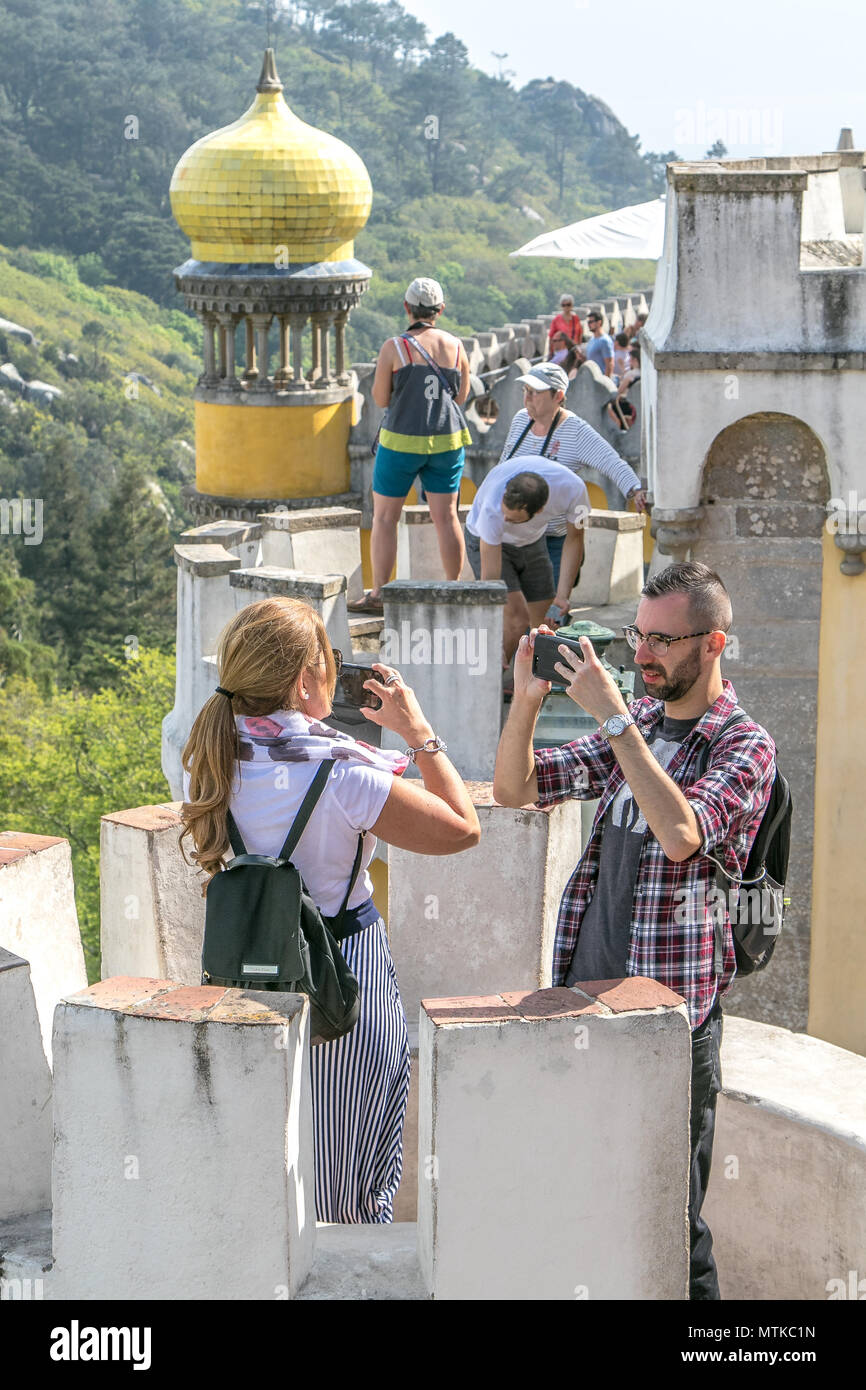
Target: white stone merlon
x=324 y=592
x=39 y=920
x=613 y=564
x=205 y=603
x=445 y=639
x=418 y=548
x=25 y=1095
x=469 y=923
x=151 y=904
x=554 y=1144
x=183 y=1153
x=787 y=1197
x=240 y=538
x=315 y=540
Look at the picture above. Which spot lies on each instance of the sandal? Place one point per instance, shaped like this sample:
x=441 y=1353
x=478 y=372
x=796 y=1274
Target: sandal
x=366 y=604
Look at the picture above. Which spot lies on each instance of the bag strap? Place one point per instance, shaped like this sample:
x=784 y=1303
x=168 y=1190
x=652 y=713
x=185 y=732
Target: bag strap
x=338 y=920
x=435 y=365
x=235 y=840
x=299 y=824
x=557 y=421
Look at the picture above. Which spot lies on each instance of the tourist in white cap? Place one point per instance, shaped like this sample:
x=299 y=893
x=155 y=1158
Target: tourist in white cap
x=422 y=378
x=546 y=428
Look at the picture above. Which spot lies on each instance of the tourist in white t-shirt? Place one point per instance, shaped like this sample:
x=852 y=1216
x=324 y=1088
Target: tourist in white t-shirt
x=545 y=427
x=254 y=749
x=505 y=538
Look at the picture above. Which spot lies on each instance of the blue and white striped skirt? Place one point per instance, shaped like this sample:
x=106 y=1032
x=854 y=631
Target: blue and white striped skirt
x=360 y=1091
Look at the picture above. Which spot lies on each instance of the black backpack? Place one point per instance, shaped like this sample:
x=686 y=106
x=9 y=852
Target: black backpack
x=263 y=930
x=758 y=912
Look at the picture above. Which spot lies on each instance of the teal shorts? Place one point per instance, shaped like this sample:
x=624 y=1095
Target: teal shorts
x=394 y=472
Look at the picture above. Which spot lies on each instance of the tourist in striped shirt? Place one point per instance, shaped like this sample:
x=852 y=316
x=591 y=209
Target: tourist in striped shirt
x=545 y=427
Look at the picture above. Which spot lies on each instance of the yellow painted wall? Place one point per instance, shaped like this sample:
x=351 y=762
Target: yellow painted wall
x=379 y=875
x=837 y=975
x=272 y=451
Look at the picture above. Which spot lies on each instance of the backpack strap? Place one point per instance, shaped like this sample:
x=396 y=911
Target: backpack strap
x=235 y=839
x=299 y=824
x=737 y=717
x=400 y=353
x=338 y=920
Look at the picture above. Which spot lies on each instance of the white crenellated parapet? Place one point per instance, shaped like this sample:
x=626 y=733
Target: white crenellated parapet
x=315 y=540
x=445 y=639
x=467 y=924
x=324 y=592
x=417 y=546
x=787 y=1197
x=25 y=1096
x=554 y=1144
x=240 y=538
x=183 y=1153
x=613 y=565
x=39 y=920
x=205 y=603
x=151 y=903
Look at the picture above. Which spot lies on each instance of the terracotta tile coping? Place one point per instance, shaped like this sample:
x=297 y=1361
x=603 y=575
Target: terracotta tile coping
x=160 y=817
x=17 y=844
x=604 y=997
x=150 y=998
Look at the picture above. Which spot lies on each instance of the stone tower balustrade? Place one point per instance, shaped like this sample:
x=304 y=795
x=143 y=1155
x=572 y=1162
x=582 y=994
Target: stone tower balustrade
x=310 y=307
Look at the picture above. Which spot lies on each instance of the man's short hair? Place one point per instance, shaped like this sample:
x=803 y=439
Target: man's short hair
x=424 y=311
x=709 y=601
x=527 y=492
x=622 y=339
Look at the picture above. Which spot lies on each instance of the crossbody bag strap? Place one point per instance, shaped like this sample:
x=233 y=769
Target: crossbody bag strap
x=557 y=421
x=299 y=824
x=435 y=365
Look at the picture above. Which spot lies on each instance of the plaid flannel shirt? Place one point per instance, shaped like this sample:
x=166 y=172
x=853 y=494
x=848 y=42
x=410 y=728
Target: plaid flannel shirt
x=672 y=932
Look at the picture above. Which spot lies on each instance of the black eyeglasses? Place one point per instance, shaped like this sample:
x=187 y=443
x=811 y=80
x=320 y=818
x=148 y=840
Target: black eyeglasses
x=658 y=642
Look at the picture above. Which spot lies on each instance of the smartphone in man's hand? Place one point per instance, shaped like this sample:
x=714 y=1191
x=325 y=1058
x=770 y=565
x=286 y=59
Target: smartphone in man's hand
x=546 y=654
x=350 y=687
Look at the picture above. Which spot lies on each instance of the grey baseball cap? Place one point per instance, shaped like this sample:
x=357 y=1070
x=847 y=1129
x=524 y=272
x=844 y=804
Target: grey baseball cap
x=425 y=291
x=546 y=376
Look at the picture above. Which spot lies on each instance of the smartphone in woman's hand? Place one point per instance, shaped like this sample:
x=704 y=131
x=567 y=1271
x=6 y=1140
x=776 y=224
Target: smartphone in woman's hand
x=350 y=687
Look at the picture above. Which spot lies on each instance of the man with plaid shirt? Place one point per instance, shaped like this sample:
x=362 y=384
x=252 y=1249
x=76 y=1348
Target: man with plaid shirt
x=642 y=899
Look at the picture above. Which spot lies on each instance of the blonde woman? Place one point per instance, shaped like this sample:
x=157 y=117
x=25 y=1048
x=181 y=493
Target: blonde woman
x=254 y=749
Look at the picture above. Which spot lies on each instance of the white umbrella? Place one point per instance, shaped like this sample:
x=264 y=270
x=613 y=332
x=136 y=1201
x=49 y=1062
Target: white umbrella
x=634 y=233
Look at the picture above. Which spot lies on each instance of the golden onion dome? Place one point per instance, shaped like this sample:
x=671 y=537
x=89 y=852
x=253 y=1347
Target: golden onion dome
x=269 y=188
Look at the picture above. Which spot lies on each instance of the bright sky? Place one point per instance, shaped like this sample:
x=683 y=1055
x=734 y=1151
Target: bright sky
x=764 y=76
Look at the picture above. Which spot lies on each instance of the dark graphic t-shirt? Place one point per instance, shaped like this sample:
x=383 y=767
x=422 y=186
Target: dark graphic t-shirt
x=601 y=952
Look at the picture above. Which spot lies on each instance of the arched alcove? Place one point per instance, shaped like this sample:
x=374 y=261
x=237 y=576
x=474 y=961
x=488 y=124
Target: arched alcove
x=763 y=493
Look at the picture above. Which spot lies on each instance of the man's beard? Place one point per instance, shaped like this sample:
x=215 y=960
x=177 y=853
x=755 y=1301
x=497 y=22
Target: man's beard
x=680 y=680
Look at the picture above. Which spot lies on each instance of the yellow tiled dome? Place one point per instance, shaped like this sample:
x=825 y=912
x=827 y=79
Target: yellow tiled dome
x=269 y=186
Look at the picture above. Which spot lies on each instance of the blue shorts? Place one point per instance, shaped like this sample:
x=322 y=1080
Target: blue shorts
x=394 y=472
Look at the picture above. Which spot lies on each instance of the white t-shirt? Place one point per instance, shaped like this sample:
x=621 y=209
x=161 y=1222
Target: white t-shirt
x=352 y=800
x=568 y=499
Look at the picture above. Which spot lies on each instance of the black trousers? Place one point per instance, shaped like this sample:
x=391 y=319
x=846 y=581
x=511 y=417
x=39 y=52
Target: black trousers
x=706 y=1084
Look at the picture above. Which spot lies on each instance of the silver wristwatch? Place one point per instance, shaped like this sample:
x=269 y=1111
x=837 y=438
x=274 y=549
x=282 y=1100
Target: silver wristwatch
x=614 y=726
x=430 y=745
